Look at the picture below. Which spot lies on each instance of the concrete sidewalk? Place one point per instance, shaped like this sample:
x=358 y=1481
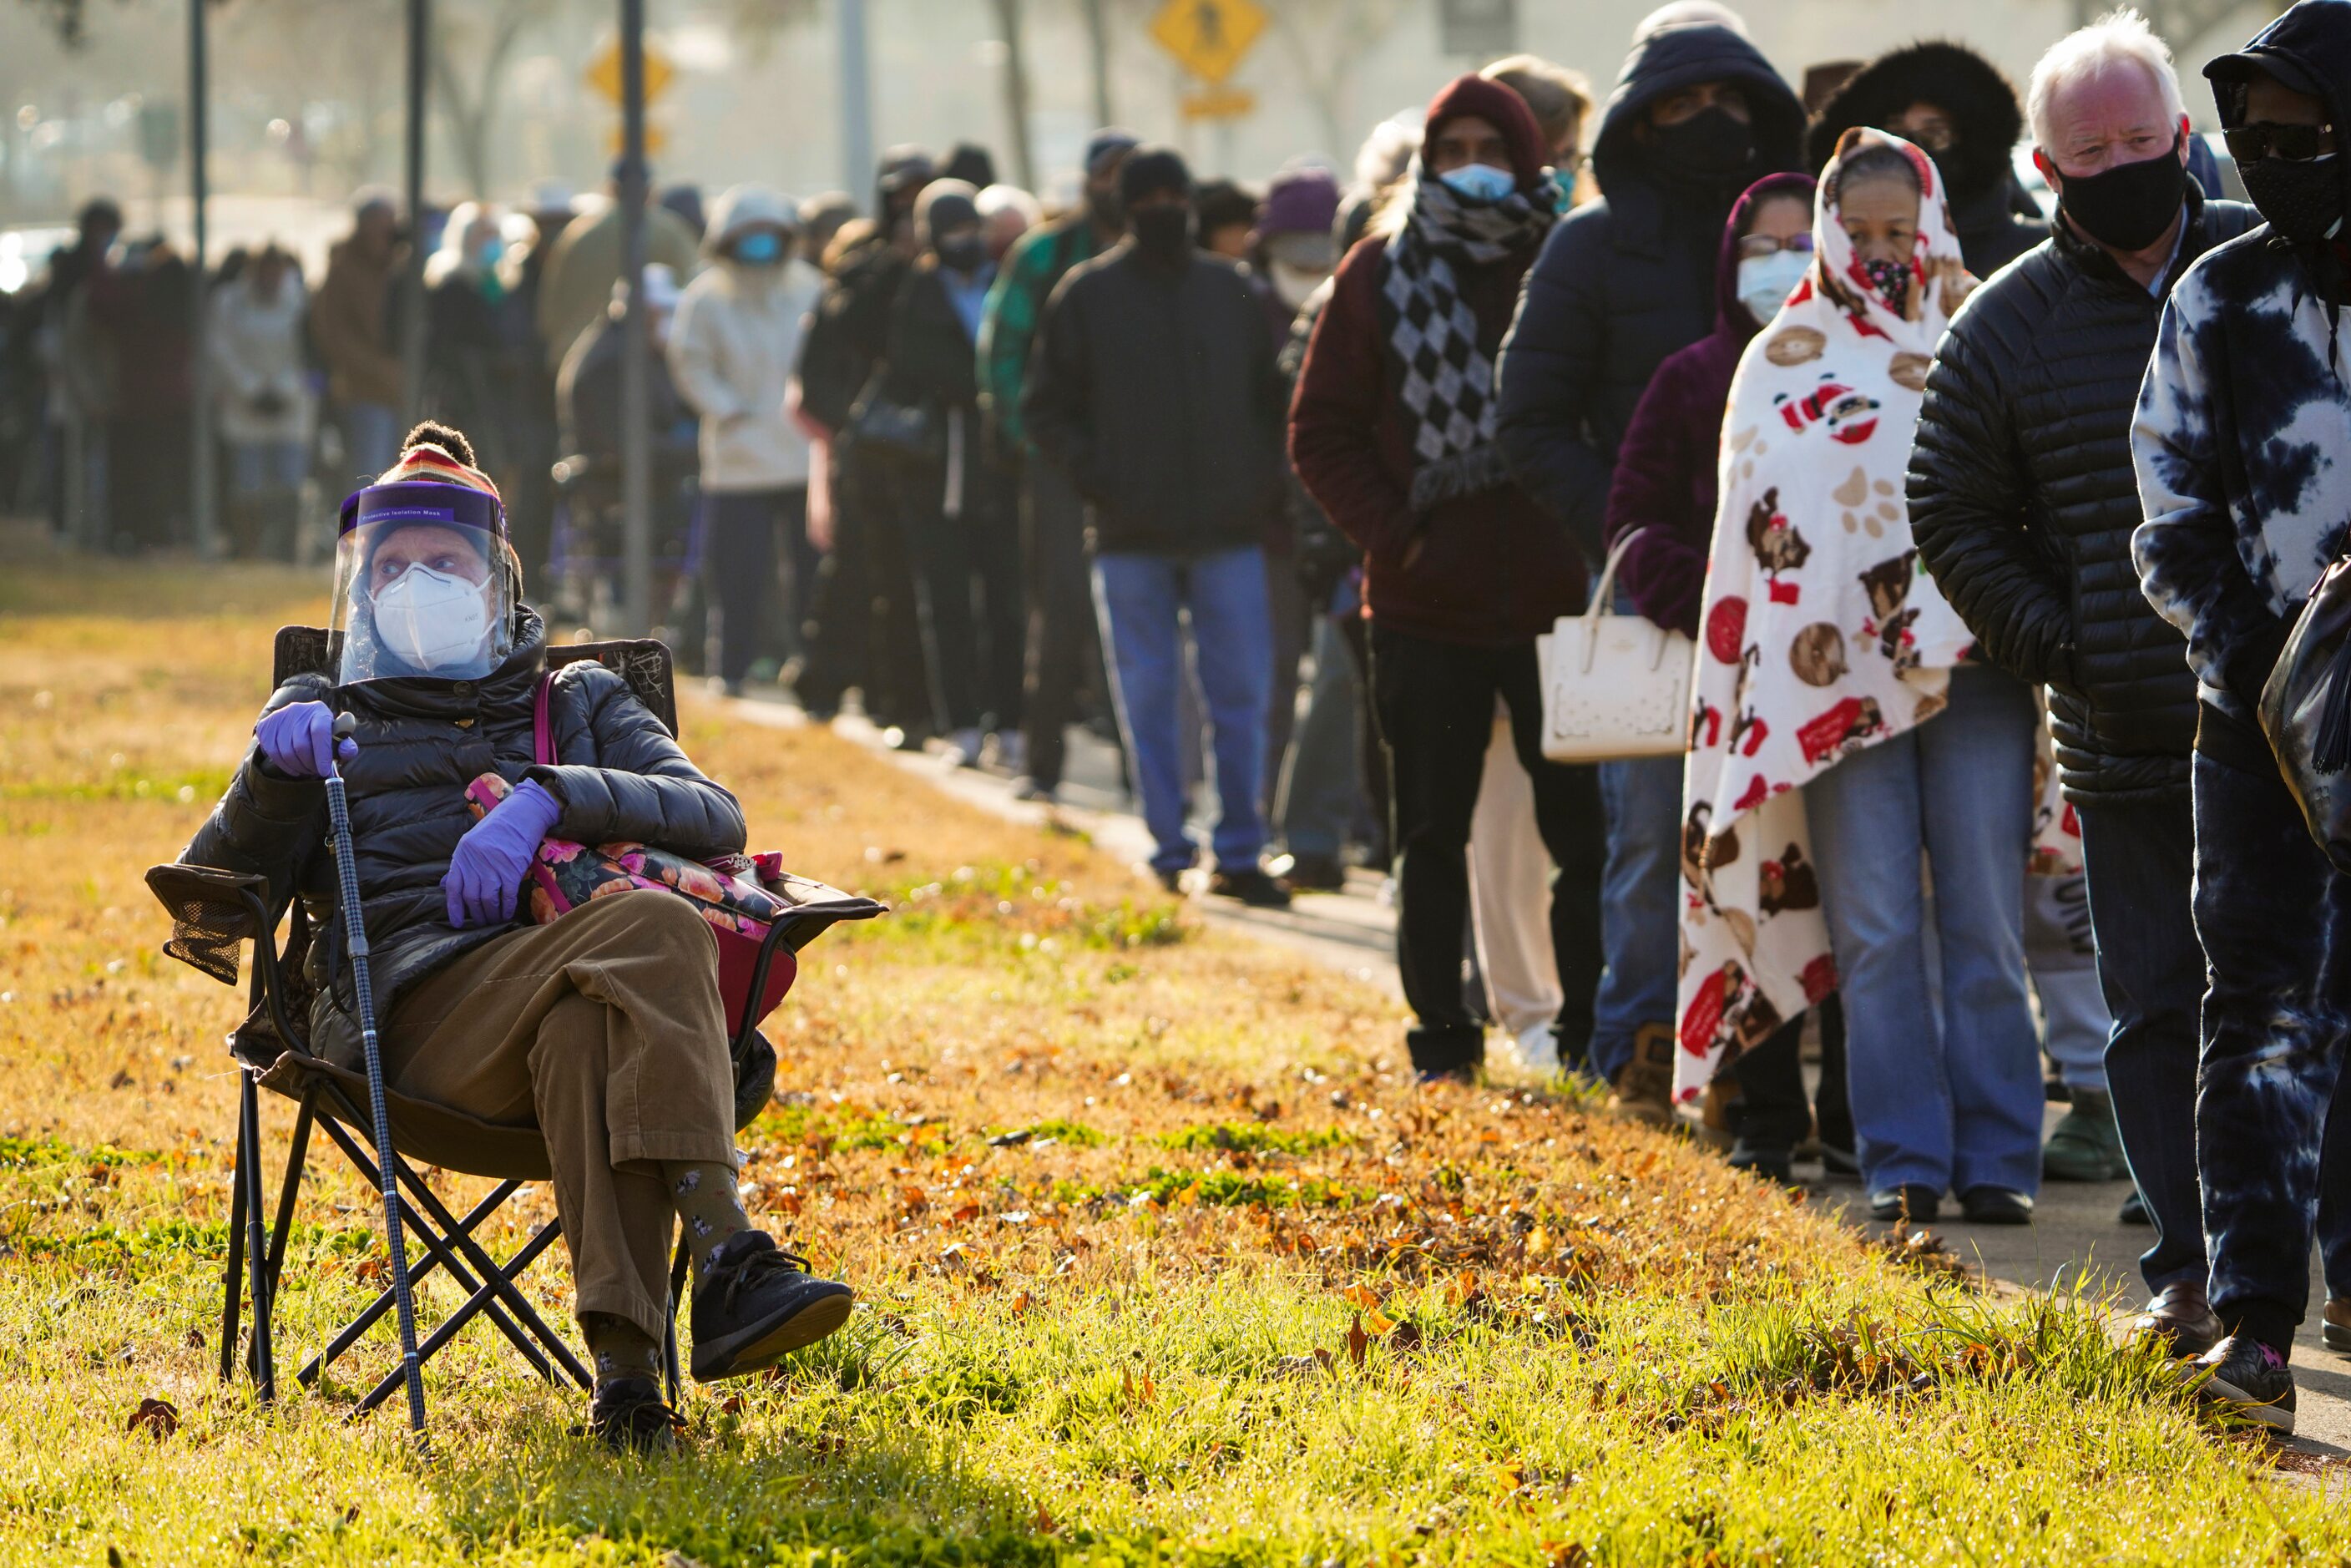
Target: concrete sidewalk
x=2076 y=1242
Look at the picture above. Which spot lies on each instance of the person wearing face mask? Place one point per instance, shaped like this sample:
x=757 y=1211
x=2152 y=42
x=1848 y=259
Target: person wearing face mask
x=1951 y=102
x=2238 y=447
x=861 y=628
x=1562 y=102
x=731 y=351
x=1696 y=115
x=603 y=1033
x=952 y=500
x=1840 y=733
x=1462 y=570
x=263 y=400
x=1665 y=487
x=2023 y=500
x=1064 y=656
x=1155 y=393
x=478 y=345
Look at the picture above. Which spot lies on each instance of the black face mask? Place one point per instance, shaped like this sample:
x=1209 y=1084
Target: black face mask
x=1163 y=234
x=964 y=253
x=2302 y=201
x=1711 y=148
x=2128 y=206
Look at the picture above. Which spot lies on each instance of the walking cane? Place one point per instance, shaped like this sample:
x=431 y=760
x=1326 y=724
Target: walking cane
x=347 y=877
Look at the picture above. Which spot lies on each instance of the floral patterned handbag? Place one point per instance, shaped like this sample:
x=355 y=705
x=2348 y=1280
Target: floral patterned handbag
x=739 y=896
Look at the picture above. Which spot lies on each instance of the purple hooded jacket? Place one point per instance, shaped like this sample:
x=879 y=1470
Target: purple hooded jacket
x=1665 y=478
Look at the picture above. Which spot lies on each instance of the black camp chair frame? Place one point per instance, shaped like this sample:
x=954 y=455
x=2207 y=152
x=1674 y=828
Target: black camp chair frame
x=238 y=908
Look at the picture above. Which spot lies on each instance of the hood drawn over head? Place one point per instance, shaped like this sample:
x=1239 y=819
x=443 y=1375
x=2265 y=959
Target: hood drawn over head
x=1983 y=108
x=1940 y=278
x=741 y=208
x=2309 y=50
x=1666 y=59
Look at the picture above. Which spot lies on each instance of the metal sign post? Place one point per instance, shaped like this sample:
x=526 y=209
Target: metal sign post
x=856 y=76
x=202 y=511
x=636 y=338
x=412 y=281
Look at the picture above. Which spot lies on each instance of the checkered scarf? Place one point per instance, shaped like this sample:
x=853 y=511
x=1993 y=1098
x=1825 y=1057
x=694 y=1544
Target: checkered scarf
x=1448 y=380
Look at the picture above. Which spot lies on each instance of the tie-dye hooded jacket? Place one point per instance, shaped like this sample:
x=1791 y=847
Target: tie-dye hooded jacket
x=2242 y=437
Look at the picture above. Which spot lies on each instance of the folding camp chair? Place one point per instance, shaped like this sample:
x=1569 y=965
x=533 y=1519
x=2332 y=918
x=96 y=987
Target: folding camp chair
x=213 y=911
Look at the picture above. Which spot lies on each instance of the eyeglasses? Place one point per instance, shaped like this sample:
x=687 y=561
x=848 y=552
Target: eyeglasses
x=2289 y=143
x=1751 y=247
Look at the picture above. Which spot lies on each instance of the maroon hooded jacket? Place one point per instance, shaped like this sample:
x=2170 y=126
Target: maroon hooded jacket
x=1665 y=478
x=1489 y=568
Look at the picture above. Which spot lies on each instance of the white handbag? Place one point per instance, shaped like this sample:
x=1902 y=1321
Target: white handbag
x=1615 y=688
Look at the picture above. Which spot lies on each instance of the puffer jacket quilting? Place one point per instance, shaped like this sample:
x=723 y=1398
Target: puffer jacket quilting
x=2024 y=500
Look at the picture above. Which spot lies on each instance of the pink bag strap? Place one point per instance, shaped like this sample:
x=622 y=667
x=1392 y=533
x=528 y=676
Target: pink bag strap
x=542 y=728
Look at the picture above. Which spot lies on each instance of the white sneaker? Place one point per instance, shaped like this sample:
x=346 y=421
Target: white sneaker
x=963 y=748
x=1539 y=1049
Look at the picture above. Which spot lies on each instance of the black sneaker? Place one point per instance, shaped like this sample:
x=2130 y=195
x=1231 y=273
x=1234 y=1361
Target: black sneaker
x=2134 y=1210
x=755 y=1303
x=1995 y=1206
x=2244 y=1374
x=1908 y=1205
x=1251 y=886
x=628 y=1416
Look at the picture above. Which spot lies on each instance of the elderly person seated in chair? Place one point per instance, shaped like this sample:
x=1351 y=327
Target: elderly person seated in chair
x=603 y=1031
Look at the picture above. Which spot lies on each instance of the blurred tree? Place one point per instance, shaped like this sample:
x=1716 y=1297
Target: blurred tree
x=483 y=33
x=1325 y=40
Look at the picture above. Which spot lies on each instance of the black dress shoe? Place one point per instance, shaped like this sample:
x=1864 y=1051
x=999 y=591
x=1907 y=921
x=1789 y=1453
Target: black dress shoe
x=2182 y=1319
x=1771 y=1162
x=2134 y=1210
x=1995 y=1206
x=1908 y=1205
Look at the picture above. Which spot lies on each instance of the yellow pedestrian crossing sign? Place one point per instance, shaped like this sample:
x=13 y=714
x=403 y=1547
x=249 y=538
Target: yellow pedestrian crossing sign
x=1208 y=37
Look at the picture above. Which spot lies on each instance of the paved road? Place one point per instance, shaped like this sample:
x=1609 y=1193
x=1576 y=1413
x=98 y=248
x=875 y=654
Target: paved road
x=2074 y=1241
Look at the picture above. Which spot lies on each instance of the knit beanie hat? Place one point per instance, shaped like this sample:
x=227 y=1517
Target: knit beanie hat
x=943 y=206
x=438 y=453
x=1299 y=201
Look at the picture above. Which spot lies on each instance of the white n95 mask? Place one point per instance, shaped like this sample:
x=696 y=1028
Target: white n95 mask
x=430 y=619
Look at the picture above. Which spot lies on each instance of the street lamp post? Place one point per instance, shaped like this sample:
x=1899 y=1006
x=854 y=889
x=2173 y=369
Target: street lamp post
x=856 y=75
x=412 y=283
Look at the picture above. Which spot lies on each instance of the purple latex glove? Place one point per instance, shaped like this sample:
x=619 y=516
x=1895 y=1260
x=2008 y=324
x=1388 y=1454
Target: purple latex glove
x=298 y=740
x=486 y=872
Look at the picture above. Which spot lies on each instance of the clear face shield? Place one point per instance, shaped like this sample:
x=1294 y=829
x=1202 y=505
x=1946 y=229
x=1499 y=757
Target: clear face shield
x=422 y=585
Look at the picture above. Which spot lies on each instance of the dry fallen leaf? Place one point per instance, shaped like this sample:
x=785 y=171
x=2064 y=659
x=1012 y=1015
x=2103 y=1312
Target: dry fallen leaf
x=1361 y=1296
x=1020 y=1304
x=158 y=1418
x=1357 y=1341
x=1378 y=1323
x=1041 y=1522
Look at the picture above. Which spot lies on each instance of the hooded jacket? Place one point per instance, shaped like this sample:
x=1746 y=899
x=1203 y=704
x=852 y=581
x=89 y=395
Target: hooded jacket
x=1987 y=122
x=351 y=324
x=2237 y=440
x=618 y=775
x=1628 y=280
x=2022 y=501
x=1664 y=480
x=1153 y=389
x=733 y=348
x=1486 y=568
x=576 y=283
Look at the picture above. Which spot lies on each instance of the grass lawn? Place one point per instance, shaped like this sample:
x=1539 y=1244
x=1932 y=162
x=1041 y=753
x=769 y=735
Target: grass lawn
x=1162 y=1256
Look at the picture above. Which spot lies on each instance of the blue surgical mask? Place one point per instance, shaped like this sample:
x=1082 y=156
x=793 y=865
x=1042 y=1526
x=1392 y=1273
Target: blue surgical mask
x=1480 y=183
x=761 y=248
x=1764 y=281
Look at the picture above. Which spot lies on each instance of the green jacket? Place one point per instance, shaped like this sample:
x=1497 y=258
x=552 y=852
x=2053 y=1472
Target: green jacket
x=1009 y=326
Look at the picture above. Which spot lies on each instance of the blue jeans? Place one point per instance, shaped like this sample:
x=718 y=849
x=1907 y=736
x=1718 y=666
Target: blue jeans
x=370 y=438
x=2140 y=854
x=1141 y=599
x=1951 y=1103
x=1641 y=907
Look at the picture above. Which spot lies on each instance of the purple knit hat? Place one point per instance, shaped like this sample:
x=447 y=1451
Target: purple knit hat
x=1299 y=201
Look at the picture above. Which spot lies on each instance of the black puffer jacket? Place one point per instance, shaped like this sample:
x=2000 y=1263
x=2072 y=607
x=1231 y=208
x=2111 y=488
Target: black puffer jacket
x=2023 y=500
x=1626 y=280
x=421 y=741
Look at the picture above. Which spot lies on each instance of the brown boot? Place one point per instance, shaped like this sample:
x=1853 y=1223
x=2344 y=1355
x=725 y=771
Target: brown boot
x=2336 y=1328
x=2182 y=1320
x=1644 y=1086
